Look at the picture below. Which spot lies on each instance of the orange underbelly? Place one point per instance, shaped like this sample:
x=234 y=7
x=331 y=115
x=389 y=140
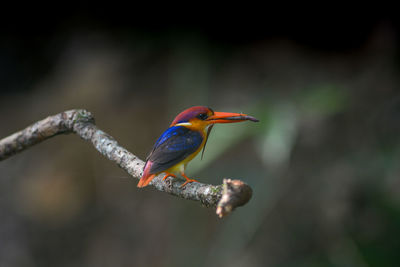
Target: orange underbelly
x=180 y=167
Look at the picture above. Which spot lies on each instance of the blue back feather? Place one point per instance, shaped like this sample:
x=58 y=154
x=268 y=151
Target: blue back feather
x=173 y=146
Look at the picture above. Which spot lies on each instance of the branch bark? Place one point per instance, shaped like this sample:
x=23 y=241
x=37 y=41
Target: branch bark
x=226 y=197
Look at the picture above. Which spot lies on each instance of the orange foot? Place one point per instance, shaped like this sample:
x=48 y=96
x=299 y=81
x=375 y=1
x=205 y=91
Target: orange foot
x=168 y=175
x=188 y=180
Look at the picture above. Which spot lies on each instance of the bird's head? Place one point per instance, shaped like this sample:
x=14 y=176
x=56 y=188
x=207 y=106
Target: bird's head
x=203 y=119
x=200 y=117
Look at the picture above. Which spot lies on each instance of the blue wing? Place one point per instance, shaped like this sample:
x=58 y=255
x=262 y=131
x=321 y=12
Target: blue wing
x=173 y=146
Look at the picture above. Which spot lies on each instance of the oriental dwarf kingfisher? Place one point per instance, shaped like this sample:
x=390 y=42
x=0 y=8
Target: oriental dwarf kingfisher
x=183 y=140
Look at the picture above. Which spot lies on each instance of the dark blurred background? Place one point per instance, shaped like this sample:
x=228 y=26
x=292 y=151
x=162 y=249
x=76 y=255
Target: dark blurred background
x=323 y=161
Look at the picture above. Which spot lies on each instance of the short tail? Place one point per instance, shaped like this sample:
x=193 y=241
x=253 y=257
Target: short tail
x=144 y=181
x=147 y=176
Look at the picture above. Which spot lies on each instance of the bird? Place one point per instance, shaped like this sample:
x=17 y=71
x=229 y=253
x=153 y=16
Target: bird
x=183 y=140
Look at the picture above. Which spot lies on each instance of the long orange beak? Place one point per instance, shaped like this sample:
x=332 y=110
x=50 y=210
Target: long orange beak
x=226 y=117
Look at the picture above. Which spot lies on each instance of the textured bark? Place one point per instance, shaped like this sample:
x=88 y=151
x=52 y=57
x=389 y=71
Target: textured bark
x=235 y=193
x=226 y=197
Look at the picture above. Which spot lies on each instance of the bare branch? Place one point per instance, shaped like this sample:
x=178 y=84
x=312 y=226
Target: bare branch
x=235 y=193
x=226 y=197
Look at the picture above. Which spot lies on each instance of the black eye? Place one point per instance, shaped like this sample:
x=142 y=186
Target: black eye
x=202 y=116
